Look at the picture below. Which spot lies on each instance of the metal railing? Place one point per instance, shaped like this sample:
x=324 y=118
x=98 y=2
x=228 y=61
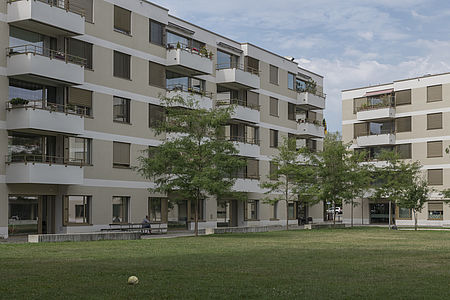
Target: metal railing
x=244 y=175
x=309 y=121
x=241 y=67
x=381 y=132
x=238 y=102
x=184 y=88
x=242 y=139
x=52 y=54
x=67 y=5
x=70 y=109
x=317 y=93
x=184 y=47
x=45 y=159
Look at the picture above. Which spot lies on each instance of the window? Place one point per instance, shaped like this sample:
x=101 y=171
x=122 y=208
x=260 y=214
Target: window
x=154 y=209
x=252 y=169
x=226 y=60
x=291 y=81
x=251 y=210
x=273 y=168
x=273 y=75
x=121 y=154
x=157 y=75
x=201 y=210
x=291 y=111
x=251 y=65
x=434 y=121
x=78 y=150
x=358 y=104
x=156 y=33
x=403 y=124
x=403 y=97
x=80 y=101
x=404 y=151
x=76 y=210
x=275 y=211
x=120 y=209
x=435 y=176
x=121 y=110
x=122 y=65
x=434 y=93
x=292 y=215
x=404 y=213
x=253 y=100
x=273 y=138
x=86 y=6
x=273 y=109
x=174 y=39
x=360 y=129
x=122 y=20
x=80 y=49
x=435 y=210
x=434 y=149
x=156 y=115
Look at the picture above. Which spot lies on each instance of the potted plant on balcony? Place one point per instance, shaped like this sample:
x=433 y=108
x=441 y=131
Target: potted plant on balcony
x=211 y=54
x=18 y=102
x=204 y=51
x=178 y=45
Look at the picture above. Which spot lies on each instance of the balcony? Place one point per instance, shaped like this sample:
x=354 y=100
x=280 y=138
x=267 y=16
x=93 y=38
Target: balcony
x=248 y=147
x=188 y=61
x=41 y=169
x=202 y=98
x=379 y=113
x=242 y=110
x=383 y=138
x=44 y=66
x=307 y=100
x=310 y=129
x=60 y=19
x=237 y=77
x=24 y=115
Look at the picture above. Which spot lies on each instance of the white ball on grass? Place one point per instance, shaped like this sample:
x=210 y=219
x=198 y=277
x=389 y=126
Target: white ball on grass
x=132 y=280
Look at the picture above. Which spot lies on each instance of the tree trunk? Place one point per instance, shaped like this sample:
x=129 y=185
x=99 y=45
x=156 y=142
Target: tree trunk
x=390 y=214
x=287 y=203
x=196 y=217
x=351 y=214
x=334 y=214
x=415 y=220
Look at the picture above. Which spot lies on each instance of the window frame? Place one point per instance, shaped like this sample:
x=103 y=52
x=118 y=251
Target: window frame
x=87 y=202
x=293 y=81
x=127 y=205
x=273 y=68
x=163 y=33
x=151 y=209
x=122 y=30
x=275 y=139
x=277 y=113
x=125 y=103
x=255 y=204
x=115 y=67
x=120 y=164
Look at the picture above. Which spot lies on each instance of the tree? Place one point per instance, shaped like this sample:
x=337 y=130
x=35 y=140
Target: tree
x=415 y=196
x=290 y=180
x=194 y=162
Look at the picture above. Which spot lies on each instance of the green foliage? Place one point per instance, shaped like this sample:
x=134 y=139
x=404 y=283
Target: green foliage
x=18 y=101
x=194 y=162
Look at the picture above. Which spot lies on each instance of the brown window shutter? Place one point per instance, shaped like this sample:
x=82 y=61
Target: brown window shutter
x=273 y=168
x=156 y=115
x=253 y=100
x=252 y=168
x=358 y=103
x=434 y=93
x=403 y=124
x=157 y=74
x=273 y=74
x=360 y=129
x=251 y=64
x=434 y=121
x=122 y=65
x=435 y=177
x=291 y=111
x=273 y=107
x=122 y=19
x=86 y=6
x=403 y=97
x=121 y=153
x=80 y=97
x=273 y=138
x=404 y=151
x=434 y=149
x=435 y=206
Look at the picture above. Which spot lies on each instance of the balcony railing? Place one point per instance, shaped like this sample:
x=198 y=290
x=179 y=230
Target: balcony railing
x=238 y=102
x=241 y=67
x=184 y=88
x=243 y=139
x=52 y=54
x=246 y=175
x=63 y=4
x=374 y=106
x=184 y=47
x=314 y=122
x=315 y=92
x=71 y=109
x=42 y=158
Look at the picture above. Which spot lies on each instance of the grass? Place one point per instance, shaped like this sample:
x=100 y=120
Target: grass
x=366 y=263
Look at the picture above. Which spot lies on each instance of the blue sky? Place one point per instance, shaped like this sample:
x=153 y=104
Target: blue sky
x=352 y=43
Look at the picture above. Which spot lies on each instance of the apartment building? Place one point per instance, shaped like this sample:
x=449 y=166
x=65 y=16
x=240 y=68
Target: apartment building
x=412 y=117
x=81 y=83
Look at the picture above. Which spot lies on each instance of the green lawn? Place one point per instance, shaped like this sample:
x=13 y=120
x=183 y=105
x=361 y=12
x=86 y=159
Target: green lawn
x=359 y=263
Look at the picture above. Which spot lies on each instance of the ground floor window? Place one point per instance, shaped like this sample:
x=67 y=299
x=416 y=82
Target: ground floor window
x=201 y=210
x=291 y=211
x=154 y=209
x=23 y=214
x=404 y=213
x=120 y=209
x=275 y=210
x=77 y=210
x=251 y=210
x=435 y=210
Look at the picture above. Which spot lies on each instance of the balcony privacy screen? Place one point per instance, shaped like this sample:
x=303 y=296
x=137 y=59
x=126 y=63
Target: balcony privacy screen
x=121 y=65
x=273 y=74
x=122 y=19
x=87 y=7
x=434 y=121
x=358 y=103
x=251 y=63
x=121 y=154
x=360 y=129
x=273 y=107
x=403 y=124
x=434 y=93
x=157 y=74
x=403 y=97
x=434 y=149
x=81 y=49
x=252 y=99
x=80 y=97
x=435 y=177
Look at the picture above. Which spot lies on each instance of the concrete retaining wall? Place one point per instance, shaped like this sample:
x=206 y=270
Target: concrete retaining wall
x=253 y=229
x=83 y=237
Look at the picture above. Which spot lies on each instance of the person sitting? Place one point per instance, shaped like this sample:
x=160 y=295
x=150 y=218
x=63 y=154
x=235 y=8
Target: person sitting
x=145 y=222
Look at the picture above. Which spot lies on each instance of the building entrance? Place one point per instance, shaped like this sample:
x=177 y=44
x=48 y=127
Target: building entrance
x=379 y=213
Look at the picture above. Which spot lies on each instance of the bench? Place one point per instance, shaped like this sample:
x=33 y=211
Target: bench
x=149 y=228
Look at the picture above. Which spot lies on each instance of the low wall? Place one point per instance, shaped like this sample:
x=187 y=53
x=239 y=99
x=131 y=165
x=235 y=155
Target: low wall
x=253 y=229
x=318 y=226
x=83 y=237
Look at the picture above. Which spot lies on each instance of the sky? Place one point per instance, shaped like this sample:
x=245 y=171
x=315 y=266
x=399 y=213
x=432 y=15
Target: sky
x=352 y=43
